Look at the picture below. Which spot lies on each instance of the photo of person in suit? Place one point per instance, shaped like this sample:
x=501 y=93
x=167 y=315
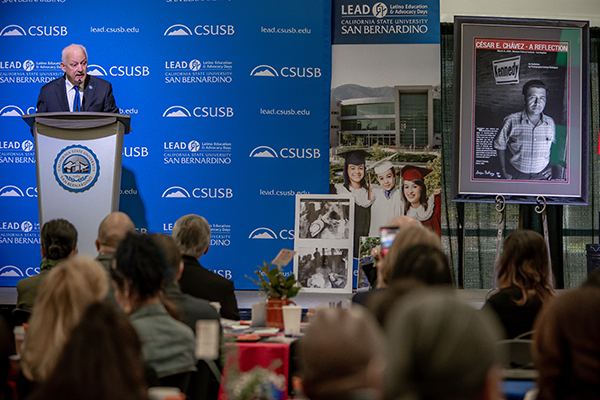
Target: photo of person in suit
x=76 y=90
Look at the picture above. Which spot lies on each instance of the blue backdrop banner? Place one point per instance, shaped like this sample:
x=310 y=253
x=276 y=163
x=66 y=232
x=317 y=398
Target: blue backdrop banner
x=230 y=115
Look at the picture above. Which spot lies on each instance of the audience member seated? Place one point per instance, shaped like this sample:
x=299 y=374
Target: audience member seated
x=192 y=234
x=59 y=240
x=190 y=308
x=139 y=273
x=441 y=348
x=203 y=384
x=523 y=280
x=7 y=348
x=566 y=346
x=101 y=360
x=408 y=236
x=111 y=231
x=70 y=287
x=373 y=272
x=416 y=266
x=341 y=356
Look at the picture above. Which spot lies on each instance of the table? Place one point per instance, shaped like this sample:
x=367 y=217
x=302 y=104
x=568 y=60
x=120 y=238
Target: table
x=259 y=354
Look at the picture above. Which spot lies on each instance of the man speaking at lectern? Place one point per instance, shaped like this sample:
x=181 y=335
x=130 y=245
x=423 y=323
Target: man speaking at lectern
x=76 y=90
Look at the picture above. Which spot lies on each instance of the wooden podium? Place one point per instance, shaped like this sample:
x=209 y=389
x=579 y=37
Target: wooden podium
x=78 y=166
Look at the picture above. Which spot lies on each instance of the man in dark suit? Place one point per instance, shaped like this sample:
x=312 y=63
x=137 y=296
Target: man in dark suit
x=76 y=90
x=192 y=234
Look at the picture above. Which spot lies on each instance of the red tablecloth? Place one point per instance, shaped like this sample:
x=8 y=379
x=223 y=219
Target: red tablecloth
x=260 y=354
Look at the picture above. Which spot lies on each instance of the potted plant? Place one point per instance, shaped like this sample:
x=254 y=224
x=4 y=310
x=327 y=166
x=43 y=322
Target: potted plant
x=278 y=288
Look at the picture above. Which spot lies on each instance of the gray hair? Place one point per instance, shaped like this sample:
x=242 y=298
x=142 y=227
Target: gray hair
x=440 y=347
x=192 y=234
x=66 y=49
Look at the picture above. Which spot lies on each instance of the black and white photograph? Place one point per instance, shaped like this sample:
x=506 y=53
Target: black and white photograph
x=324 y=242
x=324 y=219
x=324 y=268
x=521 y=121
x=521 y=112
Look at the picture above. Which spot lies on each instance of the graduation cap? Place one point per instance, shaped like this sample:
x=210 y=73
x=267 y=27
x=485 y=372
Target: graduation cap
x=355 y=156
x=412 y=172
x=382 y=166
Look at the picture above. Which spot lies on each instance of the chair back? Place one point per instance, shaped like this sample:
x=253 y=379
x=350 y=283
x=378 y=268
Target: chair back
x=180 y=380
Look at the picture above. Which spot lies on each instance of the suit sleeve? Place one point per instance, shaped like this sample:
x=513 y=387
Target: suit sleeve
x=41 y=102
x=229 y=307
x=109 y=101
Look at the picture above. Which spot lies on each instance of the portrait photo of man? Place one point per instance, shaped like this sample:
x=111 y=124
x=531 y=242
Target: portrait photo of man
x=524 y=142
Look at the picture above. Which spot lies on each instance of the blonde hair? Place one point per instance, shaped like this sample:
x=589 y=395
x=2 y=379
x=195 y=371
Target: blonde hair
x=70 y=287
x=408 y=236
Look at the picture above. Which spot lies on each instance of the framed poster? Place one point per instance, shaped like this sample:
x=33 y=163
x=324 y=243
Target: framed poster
x=323 y=243
x=521 y=110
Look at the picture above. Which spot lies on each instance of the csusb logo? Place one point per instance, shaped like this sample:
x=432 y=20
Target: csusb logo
x=199 y=112
x=200 y=30
x=11 y=111
x=175 y=192
x=35 y=30
x=119 y=70
x=76 y=168
x=286 y=152
x=10 y=271
x=266 y=233
x=14 y=191
x=287 y=72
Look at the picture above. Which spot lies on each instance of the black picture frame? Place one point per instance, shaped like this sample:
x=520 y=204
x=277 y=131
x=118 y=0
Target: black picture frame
x=493 y=60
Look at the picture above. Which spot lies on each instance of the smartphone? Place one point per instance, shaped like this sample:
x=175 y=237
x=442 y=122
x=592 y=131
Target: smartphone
x=387 y=238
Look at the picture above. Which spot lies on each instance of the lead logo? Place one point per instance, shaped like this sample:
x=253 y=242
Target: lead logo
x=76 y=168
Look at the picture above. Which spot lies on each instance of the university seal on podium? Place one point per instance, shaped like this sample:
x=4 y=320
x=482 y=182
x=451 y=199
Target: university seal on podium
x=76 y=168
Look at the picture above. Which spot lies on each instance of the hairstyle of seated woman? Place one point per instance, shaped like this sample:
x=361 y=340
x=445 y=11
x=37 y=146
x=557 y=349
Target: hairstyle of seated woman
x=523 y=280
x=417 y=266
x=101 y=360
x=566 y=345
x=70 y=287
x=59 y=239
x=140 y=271
x=408 y=236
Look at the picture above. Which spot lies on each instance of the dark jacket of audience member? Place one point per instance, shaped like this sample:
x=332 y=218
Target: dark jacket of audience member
x=192 y=234
x=567 y=346
x=59 y=241
x=7 y=348
x=101 y=360
x=523 y=280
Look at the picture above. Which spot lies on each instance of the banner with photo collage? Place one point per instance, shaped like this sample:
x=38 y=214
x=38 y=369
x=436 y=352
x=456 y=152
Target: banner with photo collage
x=385 y=87
x=229 y=104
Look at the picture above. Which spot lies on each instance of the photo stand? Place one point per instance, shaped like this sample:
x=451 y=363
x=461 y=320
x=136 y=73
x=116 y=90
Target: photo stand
x=540 y=208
